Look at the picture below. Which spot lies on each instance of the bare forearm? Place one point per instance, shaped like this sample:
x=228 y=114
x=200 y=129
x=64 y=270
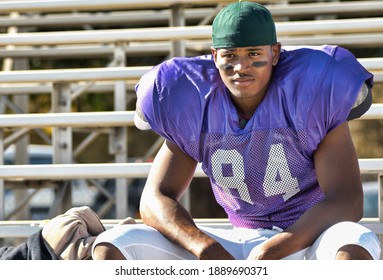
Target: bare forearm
x=170 y=176
x=308 y=228
x=171 y=219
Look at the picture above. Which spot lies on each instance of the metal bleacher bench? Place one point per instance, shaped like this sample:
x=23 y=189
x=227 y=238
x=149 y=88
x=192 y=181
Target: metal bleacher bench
x=353 y=32
x=347 y=32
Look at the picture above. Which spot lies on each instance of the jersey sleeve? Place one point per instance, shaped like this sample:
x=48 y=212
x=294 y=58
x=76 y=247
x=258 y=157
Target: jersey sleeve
x=344 y=81
x=171 y=98
x=145 y=86
x=152 y=97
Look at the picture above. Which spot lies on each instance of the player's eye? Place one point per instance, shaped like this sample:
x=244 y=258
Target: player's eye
x=253 y=53
x=228 y=55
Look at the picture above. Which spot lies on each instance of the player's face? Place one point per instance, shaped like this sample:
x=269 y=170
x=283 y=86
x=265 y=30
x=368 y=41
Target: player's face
x=247 y=71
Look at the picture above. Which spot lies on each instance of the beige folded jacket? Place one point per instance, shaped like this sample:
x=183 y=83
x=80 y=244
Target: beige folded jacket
x=71 y=235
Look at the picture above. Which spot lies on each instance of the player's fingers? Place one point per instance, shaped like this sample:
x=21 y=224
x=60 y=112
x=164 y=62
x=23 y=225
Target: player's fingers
x=128 y=220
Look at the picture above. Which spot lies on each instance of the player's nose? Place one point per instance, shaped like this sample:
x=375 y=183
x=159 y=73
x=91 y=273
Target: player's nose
x=241 y=64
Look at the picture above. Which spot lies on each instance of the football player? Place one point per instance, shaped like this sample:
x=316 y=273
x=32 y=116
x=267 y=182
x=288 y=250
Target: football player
x=269 y=125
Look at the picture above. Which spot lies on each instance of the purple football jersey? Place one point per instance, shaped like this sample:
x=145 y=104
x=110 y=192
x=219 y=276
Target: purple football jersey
x=263 y=174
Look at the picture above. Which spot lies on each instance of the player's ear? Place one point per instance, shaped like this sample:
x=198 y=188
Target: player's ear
x=276 y=51
x=214 y=53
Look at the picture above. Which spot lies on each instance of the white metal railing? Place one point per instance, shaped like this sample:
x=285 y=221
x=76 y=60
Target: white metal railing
x=44 y=88
x=330 y=26
x=116 y=74
x=115 y=170
x=125 y=18
x=82 y=119
x=330 y=8
x=343 y=26
x=300 y=6
x=74 y=171
x=142 y=49
x=89 y=50
x=106 y=36
x=349 y=40
x=145 y=16
x=374 y=113
x=97 y=5
x=101 y=119
x=73 y=75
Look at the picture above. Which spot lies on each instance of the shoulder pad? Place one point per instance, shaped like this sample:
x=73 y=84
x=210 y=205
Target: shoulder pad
x=362 y=103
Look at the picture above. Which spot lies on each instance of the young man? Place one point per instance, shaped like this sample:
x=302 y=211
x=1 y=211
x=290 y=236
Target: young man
x=270 y=129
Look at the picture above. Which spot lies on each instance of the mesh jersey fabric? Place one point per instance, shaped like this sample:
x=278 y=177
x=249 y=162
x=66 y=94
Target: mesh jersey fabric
x=262 y=175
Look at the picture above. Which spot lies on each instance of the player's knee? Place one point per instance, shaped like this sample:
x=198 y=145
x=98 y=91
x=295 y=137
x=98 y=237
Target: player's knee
x=353 y=252
x=107 y=251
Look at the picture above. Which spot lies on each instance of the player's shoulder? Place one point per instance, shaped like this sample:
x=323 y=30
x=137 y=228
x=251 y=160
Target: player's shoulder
x=334 y=75
x=179 y=66
x=172 y=86
x=307 y=51
x=199 y=70
x=320 y=56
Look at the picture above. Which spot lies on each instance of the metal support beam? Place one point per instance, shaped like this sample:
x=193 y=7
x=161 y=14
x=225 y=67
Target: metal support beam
x=21 y=153
x=2 y=190
x=380 y=197
x=119 y=138
x=62 y=145
x=178 y=49
x=380 y=205
x=177 y=19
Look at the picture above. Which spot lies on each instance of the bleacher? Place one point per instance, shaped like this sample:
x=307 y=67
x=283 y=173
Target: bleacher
x=111 y=42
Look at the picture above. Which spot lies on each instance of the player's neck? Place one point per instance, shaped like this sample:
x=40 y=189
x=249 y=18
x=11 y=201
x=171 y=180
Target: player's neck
x=246 y=107
x=244 y=117
x=245 y=111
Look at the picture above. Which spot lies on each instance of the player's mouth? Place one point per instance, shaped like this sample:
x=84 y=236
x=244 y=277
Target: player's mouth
x=243 y=81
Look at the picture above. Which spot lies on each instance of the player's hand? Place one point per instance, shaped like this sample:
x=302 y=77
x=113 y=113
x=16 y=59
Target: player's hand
x=264 y=255
x=215 y=252
x=275 y=248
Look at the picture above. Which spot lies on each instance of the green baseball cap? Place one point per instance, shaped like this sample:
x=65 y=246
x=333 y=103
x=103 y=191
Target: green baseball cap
x=243 y=24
